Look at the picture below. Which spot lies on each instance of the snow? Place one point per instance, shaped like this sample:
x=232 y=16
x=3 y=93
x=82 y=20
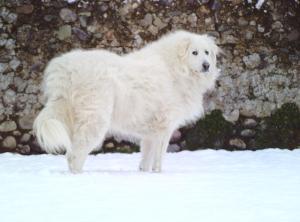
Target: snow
x=210 y=186
x=258 y=4
x=71 y=1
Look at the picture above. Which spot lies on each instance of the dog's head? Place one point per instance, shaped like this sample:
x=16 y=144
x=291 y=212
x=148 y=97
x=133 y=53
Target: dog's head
x=198 y=53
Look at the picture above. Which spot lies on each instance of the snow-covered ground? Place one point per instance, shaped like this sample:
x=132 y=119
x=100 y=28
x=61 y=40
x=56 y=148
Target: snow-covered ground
x=202 y=186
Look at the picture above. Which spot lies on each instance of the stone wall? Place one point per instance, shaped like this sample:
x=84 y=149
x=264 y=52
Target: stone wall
x=260 y=66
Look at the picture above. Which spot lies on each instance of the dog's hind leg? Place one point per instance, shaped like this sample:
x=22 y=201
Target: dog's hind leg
x=92 y=110
x=87 y=136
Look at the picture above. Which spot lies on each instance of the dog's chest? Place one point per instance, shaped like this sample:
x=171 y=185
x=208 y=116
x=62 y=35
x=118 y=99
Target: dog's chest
x=190 y=106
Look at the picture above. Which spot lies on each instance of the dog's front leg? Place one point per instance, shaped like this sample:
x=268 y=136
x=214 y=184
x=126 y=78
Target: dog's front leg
x=162 y=143
x=148 y=152
x=153 y=149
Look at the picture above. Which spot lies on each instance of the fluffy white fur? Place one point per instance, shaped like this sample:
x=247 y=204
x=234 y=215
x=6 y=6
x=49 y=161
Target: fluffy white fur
x=144 y=95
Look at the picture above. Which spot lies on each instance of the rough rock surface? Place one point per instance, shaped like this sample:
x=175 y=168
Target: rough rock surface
x=8 y=126
x=260 y=69
x=9 y=143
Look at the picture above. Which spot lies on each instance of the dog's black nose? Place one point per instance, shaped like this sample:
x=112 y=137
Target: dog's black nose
x=205 y=66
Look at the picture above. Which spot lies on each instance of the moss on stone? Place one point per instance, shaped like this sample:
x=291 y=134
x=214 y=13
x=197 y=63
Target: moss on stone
x=210 y=132
x=281 y=129
x=123 y=147
x=127 y=149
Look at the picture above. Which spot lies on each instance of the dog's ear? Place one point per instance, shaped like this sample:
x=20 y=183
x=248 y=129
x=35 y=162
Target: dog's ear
x=183 y=47
x=215 y=49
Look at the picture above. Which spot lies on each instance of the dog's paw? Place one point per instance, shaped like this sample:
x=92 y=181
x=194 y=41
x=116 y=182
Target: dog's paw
x=156 y=169
x=144 y=167
x=75 y=171
x=74 y=166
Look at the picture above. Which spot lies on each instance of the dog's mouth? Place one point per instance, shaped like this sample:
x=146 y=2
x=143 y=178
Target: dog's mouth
x=210 y=71
x=205 y=70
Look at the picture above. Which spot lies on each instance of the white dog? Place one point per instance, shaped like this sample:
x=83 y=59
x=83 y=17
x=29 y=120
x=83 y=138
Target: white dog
x=145 y=95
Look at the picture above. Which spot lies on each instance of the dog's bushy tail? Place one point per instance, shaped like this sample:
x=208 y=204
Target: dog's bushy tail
x=51 y=128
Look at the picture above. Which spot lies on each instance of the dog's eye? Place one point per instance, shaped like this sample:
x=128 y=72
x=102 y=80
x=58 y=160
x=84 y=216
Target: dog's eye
x=195 y=53
x=206 y=52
